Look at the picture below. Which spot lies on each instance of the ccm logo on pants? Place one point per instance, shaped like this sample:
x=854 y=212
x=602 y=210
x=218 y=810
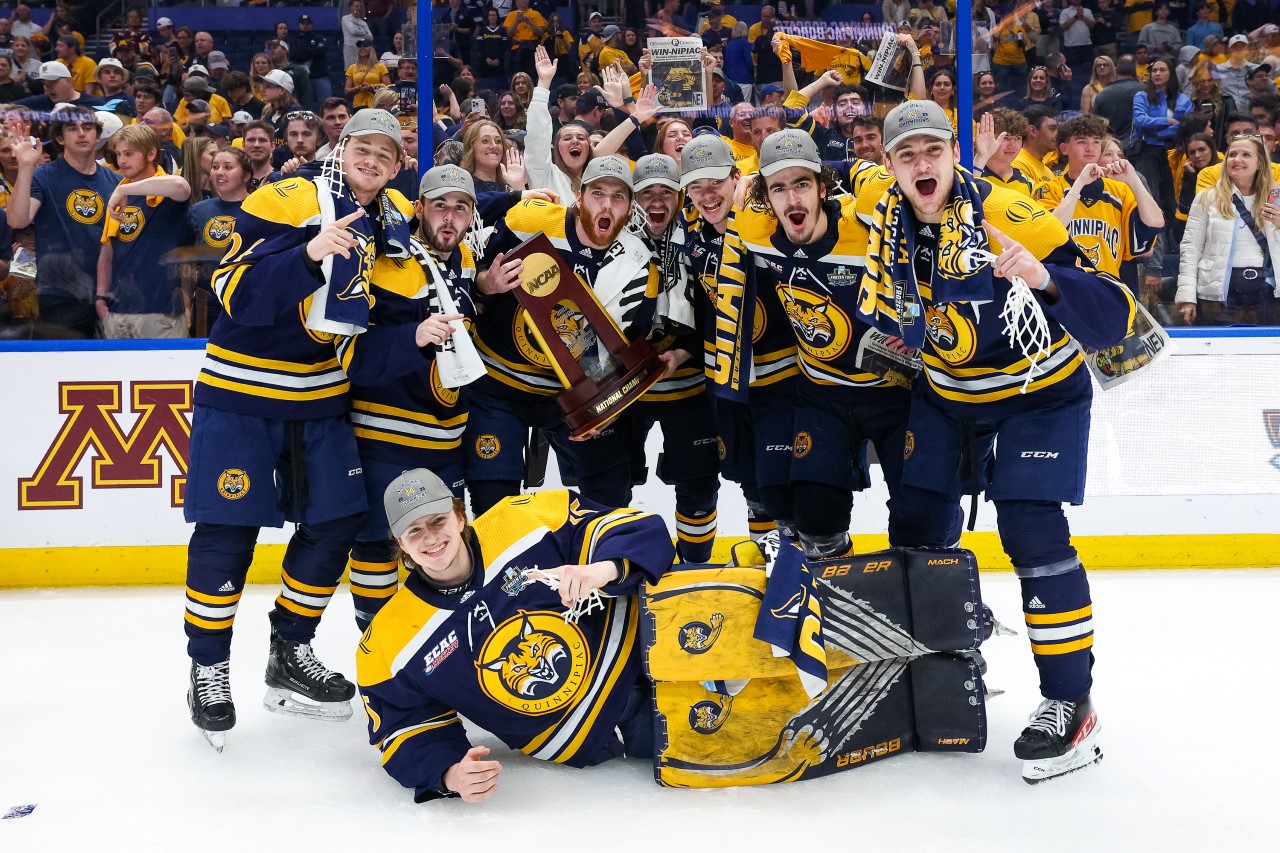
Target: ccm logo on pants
x=1039 y=454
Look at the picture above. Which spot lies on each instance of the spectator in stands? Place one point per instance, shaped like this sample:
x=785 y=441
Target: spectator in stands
x=202 y=47
x=278 y=51
x=109 y=79
x=334 y=115
x=185 y=39
x=1161 y=37
x=984 y=93
x=1192 y=154
x=895 y=11
x=277 y=91
x=1232 y=73
x=522 y=88
x=239 y=94
x=495 y=47
x=561 y=46
x=717 y=27
x=65 y=201
x=673 y=135
x=1076 y=22
x=364 y=75
x=146 y=96
x=21 y=23
x=1060 y=79
x=613 y=50
x=196 y=117
x=196 y=87
x=1104 y=71
x=1009 y=60
x=259 y=67
x=62 y=17
x=406 y=86
x=138 y=296
x=1204 y=26
x=311 y=50
x=209 y=224
x=996 y=145
x=1260 y=85
x=1041 y=138
x=593 y=41
x=942 y=91
x=525 y=28
x=9 y=90
x=26 y=67
x=1115 y=101
x=58 y=89
x=384 y=19
x=71 y=54
x=354 y=29
x=510 y=115
x=259 y=145
x=1157 y=110
x=461 y=25
x=1227 y=269
x=1108 y=22
x=1040 y=93
x=868 y=137
x=197 y=161
x=6 y=38
x=485 y=149
x=554 y=159
x=164 y=35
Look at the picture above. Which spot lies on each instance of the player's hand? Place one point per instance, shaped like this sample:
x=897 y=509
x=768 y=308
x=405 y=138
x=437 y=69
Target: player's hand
x=472 y=778
x=29 y=155
x=672 y=359
x=334 y=239
x=545 y=66
x=540 y=195
x=1015 y=259
x=577 y=582
x=504 y=275
x=435 y=329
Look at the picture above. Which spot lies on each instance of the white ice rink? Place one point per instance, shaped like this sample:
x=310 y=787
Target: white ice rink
x=94 y=730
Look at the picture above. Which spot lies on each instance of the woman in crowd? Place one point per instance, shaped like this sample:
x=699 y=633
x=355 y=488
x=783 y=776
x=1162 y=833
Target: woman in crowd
x=365 y=75
x=1193 y=150
x=984 y=93
x=554 y=164
x=281 y=33
x=522 y=88
x=1227 y=269
x=197 y=161
x=484 y=153
x=1207 y=96
x=495 y=45
x=1041 y=93
x=258 y=68
x=511 y=116
x=1104 y=71
x=354 y=29
x=278 y=101
x=563 y=49
x=26 y=67
x=392 y=57
x=210 y=224
x=1157 y=110
x=942 y=91
x=587 y=81
x=632 y=45
x=673 y=135
x=10 y=89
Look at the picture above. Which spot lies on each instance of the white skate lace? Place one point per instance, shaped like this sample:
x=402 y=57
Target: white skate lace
x=1051 y=717
x=310 y=664
x=584 y=606
x=213 y=683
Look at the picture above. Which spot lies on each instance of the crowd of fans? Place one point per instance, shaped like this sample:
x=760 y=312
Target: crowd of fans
x=1166 y=114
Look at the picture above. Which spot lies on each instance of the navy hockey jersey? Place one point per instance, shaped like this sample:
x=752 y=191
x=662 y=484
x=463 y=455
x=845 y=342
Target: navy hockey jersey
x=501 y=654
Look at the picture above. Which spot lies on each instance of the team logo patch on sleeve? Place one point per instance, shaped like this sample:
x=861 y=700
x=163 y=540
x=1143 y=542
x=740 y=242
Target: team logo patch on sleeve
x=699 y=637
x=908 y=445
x=233 y=484
x=534 y=663
x=488 y=446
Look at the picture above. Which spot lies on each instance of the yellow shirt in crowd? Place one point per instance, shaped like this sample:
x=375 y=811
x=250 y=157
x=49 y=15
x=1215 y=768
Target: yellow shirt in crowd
x=524 y=31
x=366 y=75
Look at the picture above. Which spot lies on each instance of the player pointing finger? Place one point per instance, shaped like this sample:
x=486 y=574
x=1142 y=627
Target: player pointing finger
x=334 y=238
x=1016 y=261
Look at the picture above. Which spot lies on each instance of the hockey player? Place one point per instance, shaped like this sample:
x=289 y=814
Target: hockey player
x=1001 y=370
x=414 y=421
x=270 y=439
x=679 y=402
x=1106 y=210
x=798 y=235
x=480 y=630
x=518 y=394
x=755 y=425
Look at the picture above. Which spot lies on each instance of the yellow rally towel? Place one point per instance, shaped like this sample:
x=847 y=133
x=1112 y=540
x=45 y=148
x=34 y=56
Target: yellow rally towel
x=819 y=56
x=111 y=226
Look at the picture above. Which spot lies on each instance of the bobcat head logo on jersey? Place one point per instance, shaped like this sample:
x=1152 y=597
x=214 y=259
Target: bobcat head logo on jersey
x=233 y=484
x=1093 y=253
x=699 y=637
x=821 y=328
x=707 y=716
x=85 y=206
x=957 y=240
x=218 y=230
x=131 y=222
x=951 y=335
x=534 y=663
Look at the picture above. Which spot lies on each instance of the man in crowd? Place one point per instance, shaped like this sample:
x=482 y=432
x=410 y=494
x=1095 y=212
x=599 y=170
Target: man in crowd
x=1115 y=101
x=334 y=115
x=58 y=89
x=1040 y=139
x=259 y=145
x=240 y=94
x=311 y=50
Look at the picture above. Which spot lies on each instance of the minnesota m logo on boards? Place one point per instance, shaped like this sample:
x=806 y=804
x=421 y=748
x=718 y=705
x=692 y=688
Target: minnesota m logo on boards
x=121 y=460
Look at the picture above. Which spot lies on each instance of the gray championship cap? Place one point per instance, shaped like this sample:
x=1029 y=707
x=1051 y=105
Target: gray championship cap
x=609 y=166
x=413 y=495
x=371 y=122
x=446 y=179
x=655 y=169
x=707 y=156
x=915 y=118
x=788 y=149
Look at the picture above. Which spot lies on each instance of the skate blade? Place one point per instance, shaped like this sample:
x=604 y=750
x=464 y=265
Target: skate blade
x=217 y=740
x=281 y=701
x=1085 y=754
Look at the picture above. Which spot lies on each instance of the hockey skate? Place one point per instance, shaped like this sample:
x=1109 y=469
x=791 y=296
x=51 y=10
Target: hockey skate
x=209 y=698
x=1062 y=737
x=299 y=685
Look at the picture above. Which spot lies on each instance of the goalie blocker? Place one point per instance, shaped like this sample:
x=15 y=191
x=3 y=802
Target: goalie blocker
x=896 y=625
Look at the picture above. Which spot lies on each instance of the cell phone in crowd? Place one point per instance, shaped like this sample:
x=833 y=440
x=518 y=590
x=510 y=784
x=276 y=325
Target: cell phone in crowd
x=479 y=106
x=1273 y=195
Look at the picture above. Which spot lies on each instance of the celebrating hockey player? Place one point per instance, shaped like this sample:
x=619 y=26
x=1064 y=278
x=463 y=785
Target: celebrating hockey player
x=480 y=630
x=519 y=392
x=991 y=290
x=270 y=438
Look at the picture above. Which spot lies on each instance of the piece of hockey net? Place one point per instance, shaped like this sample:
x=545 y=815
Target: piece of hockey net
x=1026 y=327
x=585 y=606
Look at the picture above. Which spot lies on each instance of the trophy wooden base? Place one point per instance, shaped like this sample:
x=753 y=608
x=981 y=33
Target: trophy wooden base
x=588 y=407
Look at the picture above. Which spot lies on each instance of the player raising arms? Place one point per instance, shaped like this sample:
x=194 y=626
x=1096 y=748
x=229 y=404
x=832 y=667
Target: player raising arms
x=479 y=630
x=1001 y=369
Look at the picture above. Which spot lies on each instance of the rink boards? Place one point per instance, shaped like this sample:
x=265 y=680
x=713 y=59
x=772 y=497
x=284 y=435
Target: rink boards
x=1184 y=466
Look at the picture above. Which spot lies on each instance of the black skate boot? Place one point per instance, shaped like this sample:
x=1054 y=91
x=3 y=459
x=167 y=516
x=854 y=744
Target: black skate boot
x=209 y=698
x=1062 y=737
x=299 y=685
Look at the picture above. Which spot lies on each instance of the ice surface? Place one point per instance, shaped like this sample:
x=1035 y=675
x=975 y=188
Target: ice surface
x=94 y=728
